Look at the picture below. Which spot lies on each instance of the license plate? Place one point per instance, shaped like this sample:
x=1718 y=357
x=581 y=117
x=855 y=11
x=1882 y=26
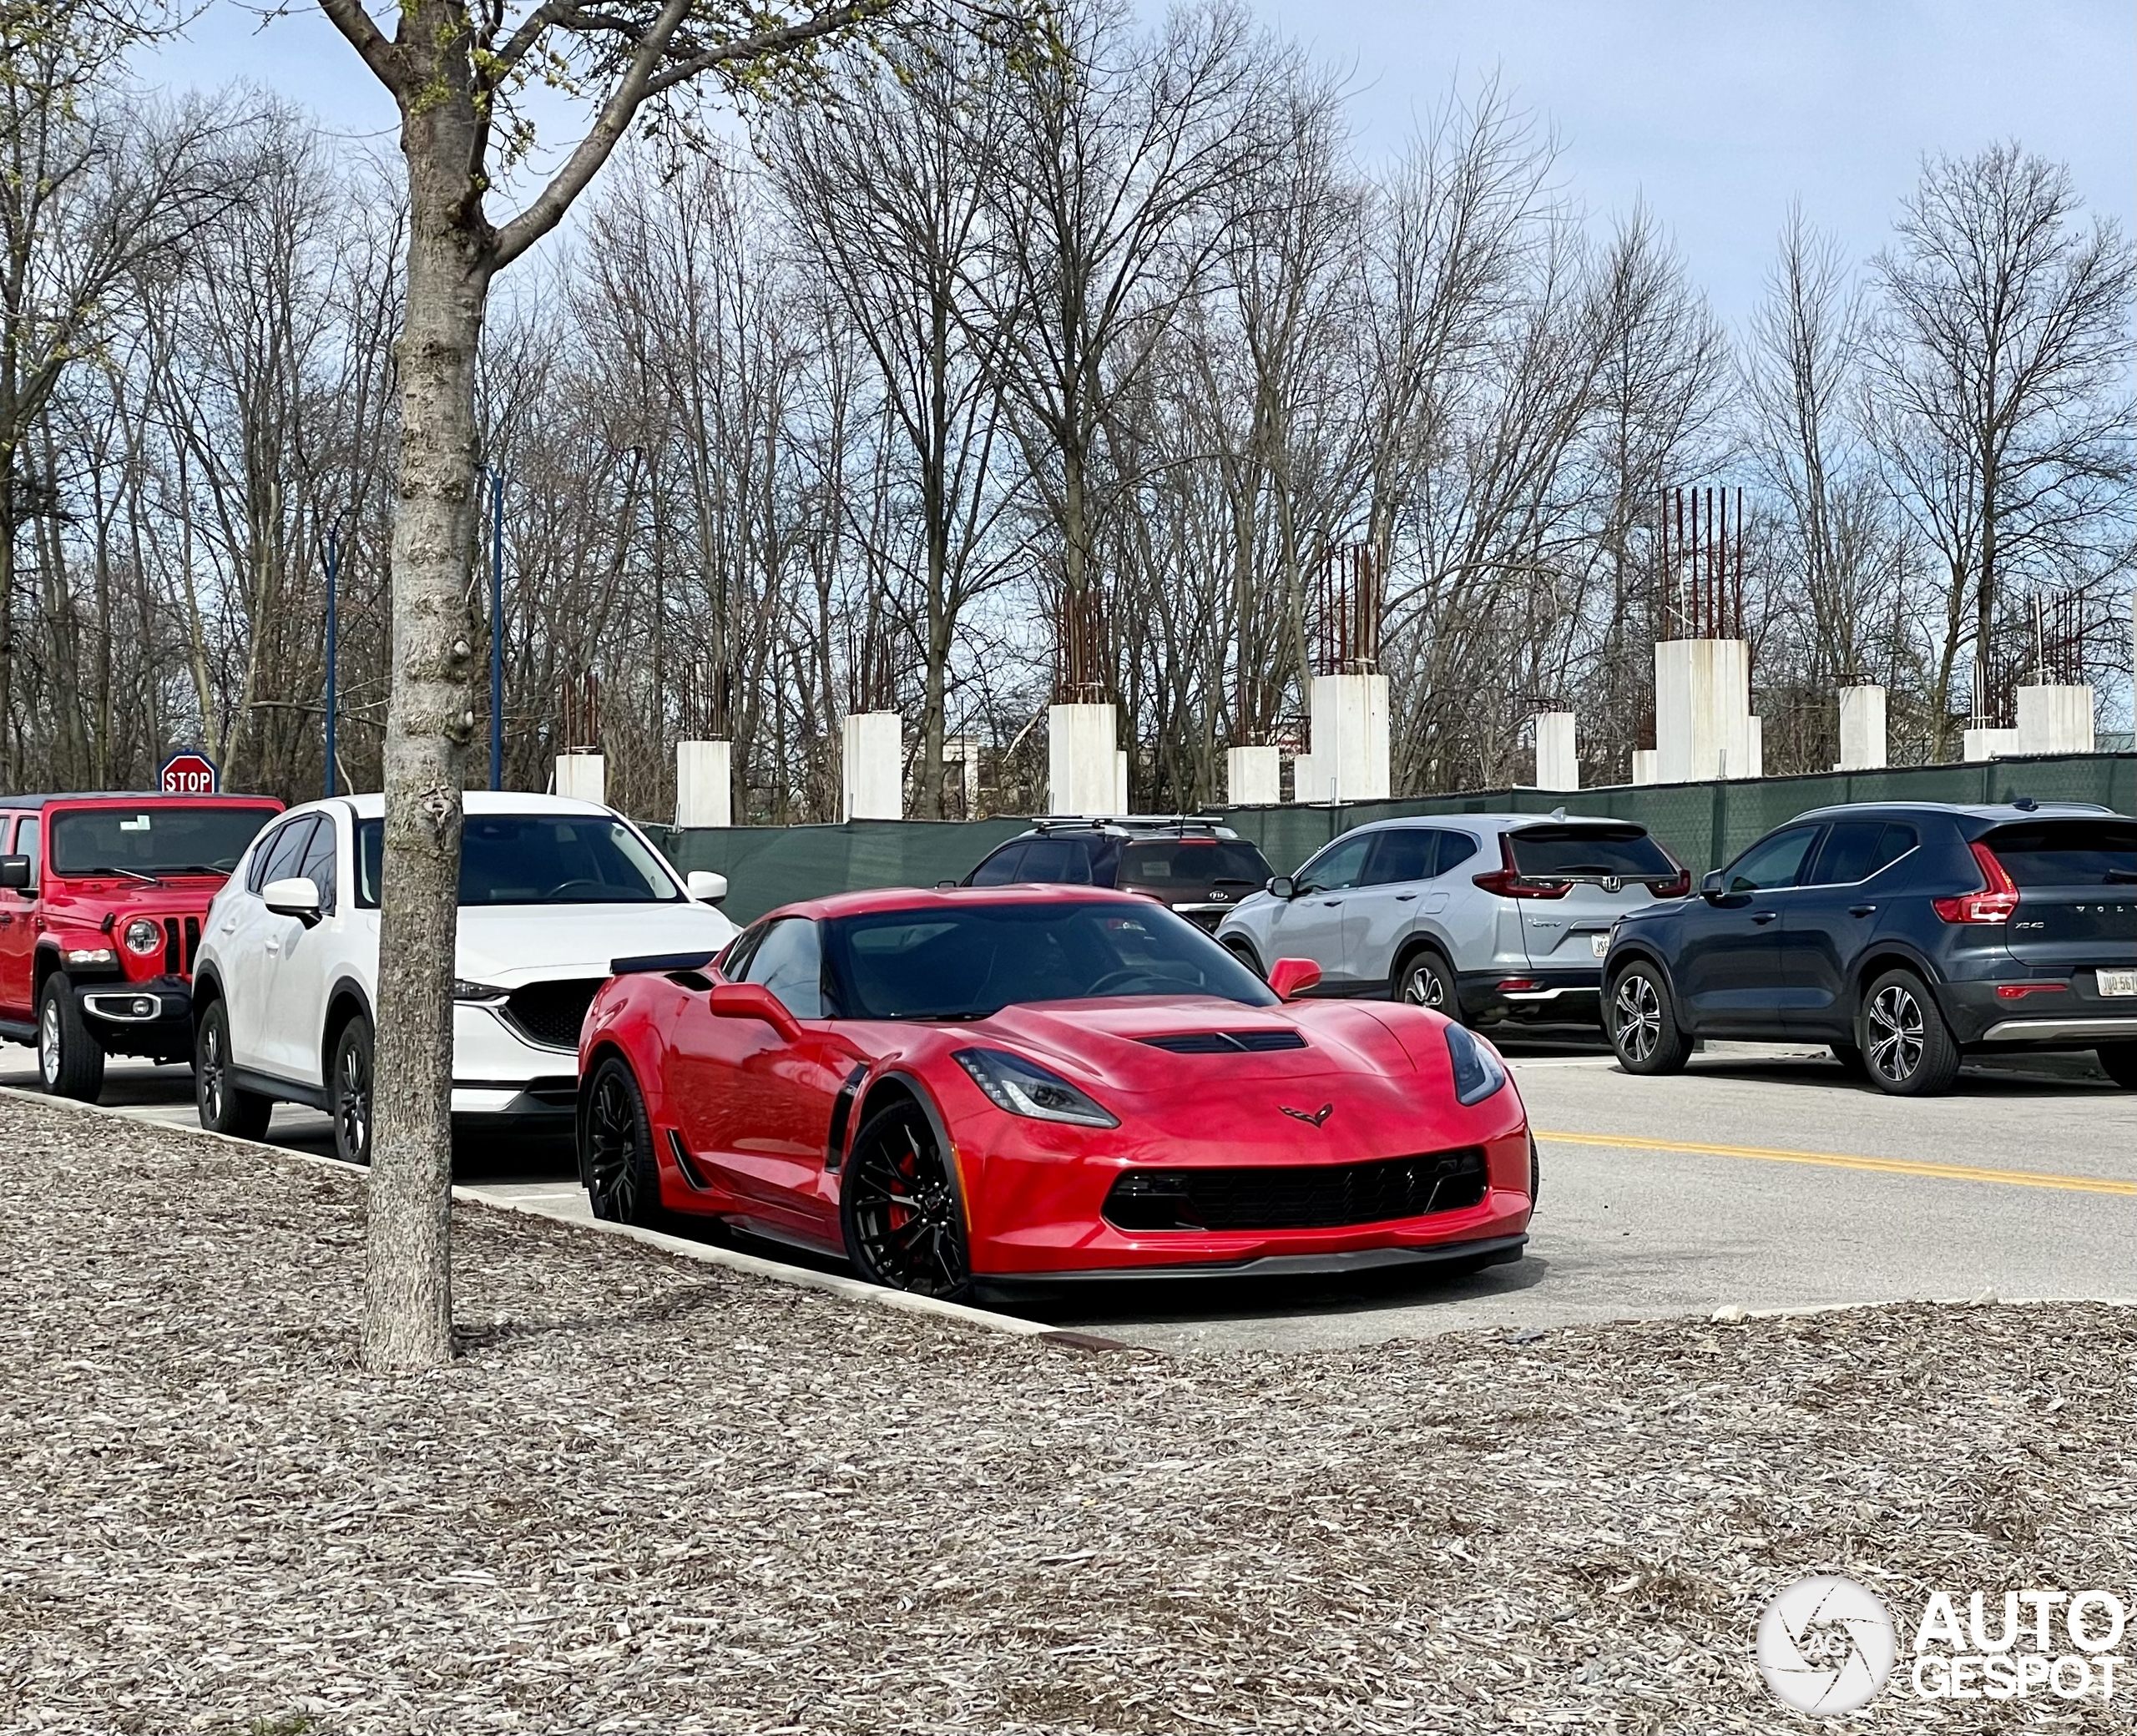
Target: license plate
x=1601 y=943
x=2119 y=982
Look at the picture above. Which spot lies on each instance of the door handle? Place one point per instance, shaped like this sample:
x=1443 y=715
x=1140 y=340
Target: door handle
x=228 y=924
x=274 y=944
x=1862 y=910
x=1764 y=916
x=1404 y=897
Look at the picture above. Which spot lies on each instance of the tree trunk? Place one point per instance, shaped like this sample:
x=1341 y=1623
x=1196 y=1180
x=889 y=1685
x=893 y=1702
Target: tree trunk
x=407 y=1282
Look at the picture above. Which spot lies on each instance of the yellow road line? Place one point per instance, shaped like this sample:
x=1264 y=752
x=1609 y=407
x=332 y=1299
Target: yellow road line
x=1834 y=1160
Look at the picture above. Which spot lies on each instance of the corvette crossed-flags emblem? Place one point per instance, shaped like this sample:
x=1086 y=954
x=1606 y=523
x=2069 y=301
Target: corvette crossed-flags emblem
x=1312 y=1118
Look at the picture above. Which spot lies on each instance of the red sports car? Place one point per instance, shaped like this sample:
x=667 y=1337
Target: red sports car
x=985 y=1085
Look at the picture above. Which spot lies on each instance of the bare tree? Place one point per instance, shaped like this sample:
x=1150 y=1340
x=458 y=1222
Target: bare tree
x=1999 y=386
x=452 y=69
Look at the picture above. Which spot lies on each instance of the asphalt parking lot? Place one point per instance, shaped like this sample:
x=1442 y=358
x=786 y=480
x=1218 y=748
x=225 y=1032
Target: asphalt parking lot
x=1761 y=1179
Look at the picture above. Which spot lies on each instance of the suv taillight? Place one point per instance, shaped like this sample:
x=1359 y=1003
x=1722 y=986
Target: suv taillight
x=1680 y=887
x=1993 y=903
x=1509 y=882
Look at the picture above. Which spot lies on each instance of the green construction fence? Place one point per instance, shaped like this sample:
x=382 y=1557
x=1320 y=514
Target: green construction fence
x=1702 y=824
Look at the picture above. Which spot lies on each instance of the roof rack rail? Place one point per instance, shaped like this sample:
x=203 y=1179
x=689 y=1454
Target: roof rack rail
x=1063 y=822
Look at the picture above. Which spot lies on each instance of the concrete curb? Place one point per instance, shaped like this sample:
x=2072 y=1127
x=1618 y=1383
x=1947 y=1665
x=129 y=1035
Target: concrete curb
x=802 y=1277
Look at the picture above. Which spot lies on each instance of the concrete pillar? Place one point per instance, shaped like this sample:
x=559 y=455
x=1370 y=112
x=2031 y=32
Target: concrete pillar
x=1862 y=729
x=1644 y=766
x=1253 y=775
x=872 y=755
x=1702 y=710
x=583 y=776
x=1085 y=769
x=1979 y=745
x=2055 y=719
x=1557 y=766
x=1120 y=781
x=1755 y=749
x=1347 y=724
x=703 y=786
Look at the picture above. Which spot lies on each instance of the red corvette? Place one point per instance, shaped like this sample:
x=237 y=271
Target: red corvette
x=993 y=1084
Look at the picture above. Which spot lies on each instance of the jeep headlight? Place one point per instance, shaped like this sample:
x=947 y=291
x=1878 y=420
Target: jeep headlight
x=143 y=937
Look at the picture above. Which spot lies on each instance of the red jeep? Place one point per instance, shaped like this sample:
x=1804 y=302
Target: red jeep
x=101 y=902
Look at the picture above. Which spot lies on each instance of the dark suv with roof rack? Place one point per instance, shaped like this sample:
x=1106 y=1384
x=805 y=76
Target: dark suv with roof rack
x=1906 y=935
x=1195 y=866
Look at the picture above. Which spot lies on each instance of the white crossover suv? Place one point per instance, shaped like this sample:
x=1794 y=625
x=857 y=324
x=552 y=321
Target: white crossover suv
x=551 y=890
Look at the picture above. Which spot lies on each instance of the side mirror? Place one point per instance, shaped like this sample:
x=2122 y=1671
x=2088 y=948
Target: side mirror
x=15 y=873
x=1291 y=978
x=707 y=888
x=297 y=896
x=753 y=1001
x=1282 y=886
x=1710 y=884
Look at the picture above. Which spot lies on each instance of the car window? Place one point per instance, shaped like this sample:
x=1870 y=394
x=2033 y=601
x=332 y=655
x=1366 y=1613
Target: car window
x=1851 y=847
x=318 y=864
x=1403 y=853
x=1186 y=863
x=1000 y=869
x=1775 y=861
x=178 y=838
x=279 y=856
x=1627 y=852
x=790 y=962
x=535 y=859
x=1062 y=860
x=735 y=960
x=1343 y=864
x=2067 y=852
x=1455 y=848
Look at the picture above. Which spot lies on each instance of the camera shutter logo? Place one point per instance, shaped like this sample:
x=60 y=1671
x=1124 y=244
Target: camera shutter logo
x=1825 y=1645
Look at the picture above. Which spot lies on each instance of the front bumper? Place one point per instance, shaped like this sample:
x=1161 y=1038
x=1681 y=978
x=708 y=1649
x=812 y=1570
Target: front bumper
x=153 y=1018
x=1487 y=1251
x=499 y=1076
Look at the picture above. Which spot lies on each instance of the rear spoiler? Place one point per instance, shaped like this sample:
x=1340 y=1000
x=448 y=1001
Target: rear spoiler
x=653 y=963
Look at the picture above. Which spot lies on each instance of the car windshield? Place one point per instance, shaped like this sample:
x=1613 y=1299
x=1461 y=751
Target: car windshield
x=537 y=859
x=1173 y=864
x=145 y=843
x=2067 y=852
x=1625 y=851
x=971 y=960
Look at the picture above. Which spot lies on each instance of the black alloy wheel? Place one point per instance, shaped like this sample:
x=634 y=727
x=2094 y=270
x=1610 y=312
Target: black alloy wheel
x=899 y=1206
x=350 y=1092
x=622 y=1176
x=1642 y=1025
x=224 y=1107
x=1904 y=1039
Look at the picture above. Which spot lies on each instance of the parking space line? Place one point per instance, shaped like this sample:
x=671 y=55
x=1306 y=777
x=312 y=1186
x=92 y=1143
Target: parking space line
x=1835 y=1160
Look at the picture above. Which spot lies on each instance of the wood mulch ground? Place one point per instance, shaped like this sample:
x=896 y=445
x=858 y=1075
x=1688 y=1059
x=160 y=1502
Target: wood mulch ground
x=658 y=1496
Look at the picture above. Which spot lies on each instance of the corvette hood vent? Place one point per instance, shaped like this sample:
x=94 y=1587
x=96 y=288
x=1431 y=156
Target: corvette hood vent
x=1225 y=1042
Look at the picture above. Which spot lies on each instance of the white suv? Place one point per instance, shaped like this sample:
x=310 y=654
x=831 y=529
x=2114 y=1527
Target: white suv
x=551 y=890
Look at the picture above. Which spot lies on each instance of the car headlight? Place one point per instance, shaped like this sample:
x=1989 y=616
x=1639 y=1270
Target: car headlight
x=1024 y=1087
x=89 y=956
x=1476 y=1070
x=143 y=937
x=482 y=994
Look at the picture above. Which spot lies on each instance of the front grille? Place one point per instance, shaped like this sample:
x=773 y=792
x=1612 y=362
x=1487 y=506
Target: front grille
x=550 y=1013
x=1317 y=1196
x=1225 y=1042
x=181 y=946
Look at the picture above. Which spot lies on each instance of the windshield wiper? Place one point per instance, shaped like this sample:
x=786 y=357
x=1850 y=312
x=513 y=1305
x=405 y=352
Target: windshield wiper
x=146 y=880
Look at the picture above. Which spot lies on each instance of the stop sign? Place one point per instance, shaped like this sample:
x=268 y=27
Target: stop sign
x=188 y=774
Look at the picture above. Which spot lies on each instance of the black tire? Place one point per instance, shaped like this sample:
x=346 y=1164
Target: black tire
x=1851 y=1060
x=348 y=1091
x=1641 y=1020
x=1425 y=978
x=901 y=1210
x=69 y=1059
x=1905 y=1042
x=2121 y=1061
x=224 y=1108
x=1245 y=954
x=616 y=1154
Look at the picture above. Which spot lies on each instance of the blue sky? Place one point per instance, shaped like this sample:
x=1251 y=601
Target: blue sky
x=1718 y=113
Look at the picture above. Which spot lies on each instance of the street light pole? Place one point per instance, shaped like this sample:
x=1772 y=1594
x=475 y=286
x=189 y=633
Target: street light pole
x=497 y=629
x=333 y=571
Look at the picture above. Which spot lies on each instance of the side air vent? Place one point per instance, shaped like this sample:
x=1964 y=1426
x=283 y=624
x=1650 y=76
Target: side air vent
x=1226 y=1043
